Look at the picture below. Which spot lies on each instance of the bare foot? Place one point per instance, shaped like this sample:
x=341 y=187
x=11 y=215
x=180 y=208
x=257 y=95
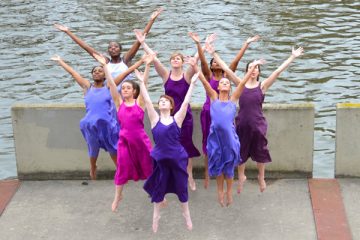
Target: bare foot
x=155 y=224
x=206 y=182
x=93 y=173
x=229 y=198
x=164 y=203
x=188 y=221
x=221 y=199
x=192 y=184
x=115 y=203
x=241 y=182
x=262 y=184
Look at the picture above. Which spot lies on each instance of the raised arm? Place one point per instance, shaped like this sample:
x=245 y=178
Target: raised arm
x=229 y=74
x=208 y=89
x=83 y=83
x=271 y=79
x=204 y=66
x=233 y=65
x=110 y=81
x=148 y=59
x=240 y=87
x=180 y=115
x=153 y=115
x=129 y=55
x=119 y=78
x=159 y=67
x=79 y=41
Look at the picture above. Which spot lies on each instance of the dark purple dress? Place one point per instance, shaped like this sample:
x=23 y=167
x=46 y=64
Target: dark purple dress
x=251 y=126
x=178 y=90
x=170 y=162
x=205 y=118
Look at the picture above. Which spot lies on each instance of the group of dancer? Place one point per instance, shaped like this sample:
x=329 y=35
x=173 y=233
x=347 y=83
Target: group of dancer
x=115 y=108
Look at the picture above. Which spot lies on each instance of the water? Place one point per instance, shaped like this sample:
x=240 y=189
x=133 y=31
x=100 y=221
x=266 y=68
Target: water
x=328 y=73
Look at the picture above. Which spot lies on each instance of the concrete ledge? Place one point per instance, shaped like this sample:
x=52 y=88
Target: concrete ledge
x=49 y=144
x=347 y=162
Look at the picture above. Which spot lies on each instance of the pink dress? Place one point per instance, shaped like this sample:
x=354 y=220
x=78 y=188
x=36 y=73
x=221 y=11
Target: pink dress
x=134 y=146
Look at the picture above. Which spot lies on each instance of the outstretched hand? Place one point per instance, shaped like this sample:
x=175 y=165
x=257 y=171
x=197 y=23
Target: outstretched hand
x=100 y=58
x=61 y=27
x=139 y=75
x=298 y=52
x=148 y=58
x=191 y=61
x=252 y=39
x=156 y=13
x=209 y=48
x=259 y=62
x=56 y=58
x=211 y=38
x=140 y=36
x=194 y=36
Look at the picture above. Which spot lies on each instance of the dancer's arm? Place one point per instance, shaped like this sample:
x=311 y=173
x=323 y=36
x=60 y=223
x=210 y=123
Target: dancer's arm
x=271 y=79
x=233 y=65
x=229 y=74
x=148 y=59
x=79 y=41
x=129 y=55
x=110 y=81
x=240 y=87
x=180 y=115
x=119 y=78
x=83 y=83
x=159 y=67
x=208 y=89
x=204 y=66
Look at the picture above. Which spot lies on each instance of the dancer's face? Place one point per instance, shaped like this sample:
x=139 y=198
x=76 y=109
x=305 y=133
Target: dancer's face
x=127 y=90
x=165 y=104
x=256 y=71
x=224 y=85
x=176 y=61
x=215 y=65
x=114 y=49
x=98 y=74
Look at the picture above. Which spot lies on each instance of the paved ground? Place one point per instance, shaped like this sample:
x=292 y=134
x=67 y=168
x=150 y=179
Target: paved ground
x=71 y=210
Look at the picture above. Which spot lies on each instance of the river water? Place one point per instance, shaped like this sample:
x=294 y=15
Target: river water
x=327 y=74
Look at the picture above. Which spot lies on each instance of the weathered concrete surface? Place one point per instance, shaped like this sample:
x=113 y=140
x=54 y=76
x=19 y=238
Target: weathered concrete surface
x=350 y=189
x=49 y=144
x=347 y=162
x=70 y=210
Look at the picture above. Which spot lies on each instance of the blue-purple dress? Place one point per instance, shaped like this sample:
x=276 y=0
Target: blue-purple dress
x=251 y=126
x=99 y=127
x=178 y=90
x=223 y=144
x=170 y=162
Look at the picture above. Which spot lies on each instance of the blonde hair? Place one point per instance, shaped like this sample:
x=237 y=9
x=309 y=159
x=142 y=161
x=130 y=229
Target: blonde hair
x=175 y=54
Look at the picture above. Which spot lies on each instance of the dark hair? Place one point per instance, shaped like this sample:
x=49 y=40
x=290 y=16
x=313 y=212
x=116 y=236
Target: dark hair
x=92 y=70
x=172 y=103
x=135 y=86
x=116 y=43
x=247 y=68
x=211 y=62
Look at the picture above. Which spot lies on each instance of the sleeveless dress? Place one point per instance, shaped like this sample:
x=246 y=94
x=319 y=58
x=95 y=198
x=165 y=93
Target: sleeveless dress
x=99 y=128
x=205 y=118
x=178 y=90
x=133 y=158
x=118 y=68
x=223 y=144
x=251 y=126
x=170 y=163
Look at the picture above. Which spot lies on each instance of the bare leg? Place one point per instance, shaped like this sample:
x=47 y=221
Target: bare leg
x=229 y=182
x=114 y=158
x=220 y=189
x=186 y=214
x=242 y=178
x=207 y=178
x=191 y=179
x=156 y=217
x=93 y=168
x=164 y=203
x=117 y=198
x=261 y=176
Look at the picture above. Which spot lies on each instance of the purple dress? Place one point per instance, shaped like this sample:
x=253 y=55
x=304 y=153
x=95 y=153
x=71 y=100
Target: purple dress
x=205 y=118
x=178 y=90
x=99 y=128
x=133 y=158
x=223 y=144
x=251 y=126
x=170 y=163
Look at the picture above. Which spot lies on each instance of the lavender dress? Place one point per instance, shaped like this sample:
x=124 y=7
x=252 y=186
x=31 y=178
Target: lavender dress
x=178 y=90
x=170 y=163
x=99 y=127
x=205 y=118
x=251 y=126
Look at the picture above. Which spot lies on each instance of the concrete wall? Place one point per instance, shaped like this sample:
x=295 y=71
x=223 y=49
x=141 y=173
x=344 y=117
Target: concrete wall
x=49 y=144
x=347 y=162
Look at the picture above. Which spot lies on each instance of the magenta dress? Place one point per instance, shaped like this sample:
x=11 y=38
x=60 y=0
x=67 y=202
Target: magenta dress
x=170 y=163
x=251 y=126
x=205 y=118
x=134 y=146
x=178 y=90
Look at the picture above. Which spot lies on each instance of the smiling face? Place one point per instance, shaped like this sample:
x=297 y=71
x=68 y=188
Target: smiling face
x=224 y=85
x=98 y=74
x=176 y=60
x=114 y=49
